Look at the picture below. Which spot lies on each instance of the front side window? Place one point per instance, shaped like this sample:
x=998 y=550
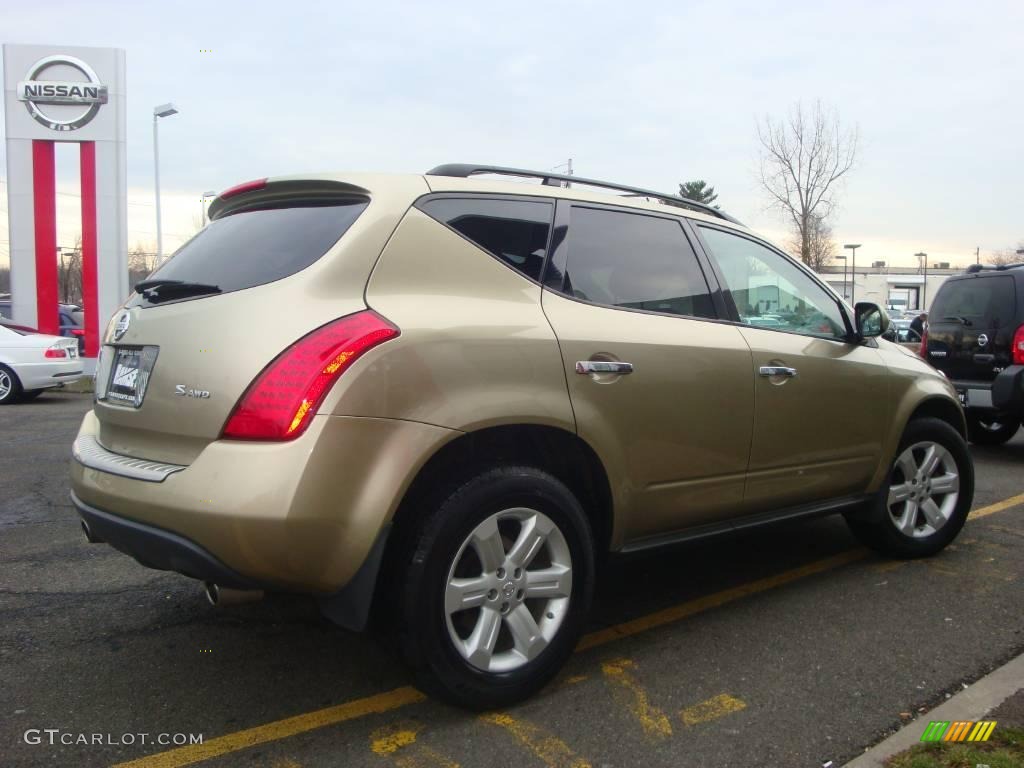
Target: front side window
x=515 y=231
x=770 y=292
x=634 y=261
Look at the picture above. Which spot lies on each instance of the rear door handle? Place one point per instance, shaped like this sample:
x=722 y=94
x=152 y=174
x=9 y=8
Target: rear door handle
x=777 y=370
x=603 y=366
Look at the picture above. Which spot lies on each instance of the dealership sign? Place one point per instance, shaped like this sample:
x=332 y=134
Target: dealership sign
x=37 y=91
x=74 y=96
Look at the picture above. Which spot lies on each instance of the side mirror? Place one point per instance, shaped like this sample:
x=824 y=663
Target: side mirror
x=870 y=320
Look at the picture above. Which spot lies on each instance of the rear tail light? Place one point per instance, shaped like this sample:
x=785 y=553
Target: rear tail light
x=281 y=401
x=56 y=352
x=1018 y=346
x=924 y=344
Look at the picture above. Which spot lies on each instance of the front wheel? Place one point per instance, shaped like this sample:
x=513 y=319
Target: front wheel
x=925 y=500
x=993 y=429
x=498 y=588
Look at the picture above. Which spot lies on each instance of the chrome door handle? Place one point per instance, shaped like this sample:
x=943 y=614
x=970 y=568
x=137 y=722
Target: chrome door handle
x=777 y=370
x=603 y=366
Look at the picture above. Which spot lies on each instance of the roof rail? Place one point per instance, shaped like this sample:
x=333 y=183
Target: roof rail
x=997 y=267
x=465 y=170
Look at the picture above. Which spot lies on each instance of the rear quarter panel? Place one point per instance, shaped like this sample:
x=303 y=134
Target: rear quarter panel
x=475 y=349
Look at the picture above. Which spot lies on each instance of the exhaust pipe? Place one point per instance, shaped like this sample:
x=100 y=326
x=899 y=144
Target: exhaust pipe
x=89 y=535
x=217 y=595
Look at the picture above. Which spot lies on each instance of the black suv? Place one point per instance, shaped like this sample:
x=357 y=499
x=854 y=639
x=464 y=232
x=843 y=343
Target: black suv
x=976 y=337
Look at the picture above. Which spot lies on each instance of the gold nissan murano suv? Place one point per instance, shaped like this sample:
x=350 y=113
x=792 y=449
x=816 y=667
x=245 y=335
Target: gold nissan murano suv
x=438 y=400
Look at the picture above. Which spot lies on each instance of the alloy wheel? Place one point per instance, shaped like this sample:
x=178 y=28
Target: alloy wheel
x=508 y=590
x=923 y=489
x=5 y=384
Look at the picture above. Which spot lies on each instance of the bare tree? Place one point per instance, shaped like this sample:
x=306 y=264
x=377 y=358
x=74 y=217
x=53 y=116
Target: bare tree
x=821 y=247
x=802 y=157
x=141 y=261
x=69 y=273
x=1008 y=256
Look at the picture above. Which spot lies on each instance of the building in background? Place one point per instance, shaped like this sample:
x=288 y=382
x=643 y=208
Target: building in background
x=902 y=288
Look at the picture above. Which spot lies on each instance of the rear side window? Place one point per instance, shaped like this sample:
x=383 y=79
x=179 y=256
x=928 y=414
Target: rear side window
x=634 y=261
x=990 y=302
x=515 y=231
x=260 y=246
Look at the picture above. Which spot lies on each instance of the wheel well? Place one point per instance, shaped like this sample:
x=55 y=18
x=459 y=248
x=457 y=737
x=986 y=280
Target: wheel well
x=551 y=449
x=943 y=409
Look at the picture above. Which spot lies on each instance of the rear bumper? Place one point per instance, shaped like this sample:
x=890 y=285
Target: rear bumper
x=156 y=548
x=49 y=374
x=1008 y=390
x=1005 y=393
x=300 y=516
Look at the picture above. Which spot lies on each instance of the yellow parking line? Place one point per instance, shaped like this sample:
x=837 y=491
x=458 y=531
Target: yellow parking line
x=392 y=737
x=550 y=749
x=632 y=694
x=279 y=729
x=400 y=697
x=681 y=611
x=401 y=738
x=999 y=506
x=718 y=706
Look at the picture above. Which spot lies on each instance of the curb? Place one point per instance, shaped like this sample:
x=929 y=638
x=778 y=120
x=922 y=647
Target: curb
x=972 y=703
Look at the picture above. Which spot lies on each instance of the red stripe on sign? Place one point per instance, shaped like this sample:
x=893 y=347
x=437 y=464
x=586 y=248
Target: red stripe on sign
x=44 y=202
x=90 y=287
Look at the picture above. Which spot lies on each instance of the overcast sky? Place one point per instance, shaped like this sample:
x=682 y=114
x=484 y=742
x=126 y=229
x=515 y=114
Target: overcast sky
x=648 y=94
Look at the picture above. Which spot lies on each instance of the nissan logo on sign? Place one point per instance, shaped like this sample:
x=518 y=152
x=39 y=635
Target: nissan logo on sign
x=63 y=96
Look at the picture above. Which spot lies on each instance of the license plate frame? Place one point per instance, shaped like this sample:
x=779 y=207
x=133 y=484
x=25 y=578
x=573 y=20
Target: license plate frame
x=130 y=371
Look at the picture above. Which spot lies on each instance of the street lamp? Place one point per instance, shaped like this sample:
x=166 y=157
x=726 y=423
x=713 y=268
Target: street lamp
x=924 y=298
x=164 y=110
x=843 y=258
x=202 y=203
x=853 y=271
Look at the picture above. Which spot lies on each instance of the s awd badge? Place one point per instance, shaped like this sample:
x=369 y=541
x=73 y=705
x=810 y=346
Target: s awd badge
x=181 y=389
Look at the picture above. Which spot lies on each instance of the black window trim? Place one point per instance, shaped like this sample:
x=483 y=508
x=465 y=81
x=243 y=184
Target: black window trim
x=550 y=202
x=563 y=219
x=851 y=335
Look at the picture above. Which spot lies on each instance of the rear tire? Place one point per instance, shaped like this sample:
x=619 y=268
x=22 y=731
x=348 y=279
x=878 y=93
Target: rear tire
x=497 y=588
x=10 y=386
x=924 y=501
x=995 y=429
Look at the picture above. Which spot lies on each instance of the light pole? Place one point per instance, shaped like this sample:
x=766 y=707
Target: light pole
x=853 y=272
x=202 y=203
x=924 y=298
x=844 y=275
x=164 y=110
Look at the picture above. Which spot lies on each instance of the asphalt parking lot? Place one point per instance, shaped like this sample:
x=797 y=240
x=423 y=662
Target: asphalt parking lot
x=790 y=647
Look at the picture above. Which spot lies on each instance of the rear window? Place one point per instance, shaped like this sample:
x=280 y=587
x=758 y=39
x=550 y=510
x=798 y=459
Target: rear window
x=983 y=301
x=260 y=246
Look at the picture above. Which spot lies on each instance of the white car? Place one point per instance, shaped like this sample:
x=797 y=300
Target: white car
x=32 y=362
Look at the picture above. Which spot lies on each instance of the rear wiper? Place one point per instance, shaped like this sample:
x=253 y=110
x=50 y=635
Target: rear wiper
x=153 y=290
x=962 y=320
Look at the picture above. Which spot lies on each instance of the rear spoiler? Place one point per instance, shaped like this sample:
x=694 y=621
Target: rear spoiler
x=263 y=192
